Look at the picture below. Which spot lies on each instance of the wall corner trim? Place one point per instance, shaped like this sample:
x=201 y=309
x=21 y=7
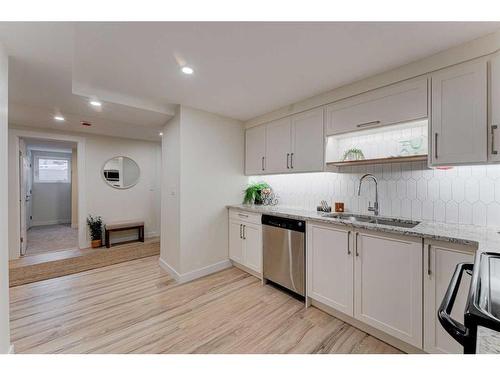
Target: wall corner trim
x=195 y=274
x=169 y=269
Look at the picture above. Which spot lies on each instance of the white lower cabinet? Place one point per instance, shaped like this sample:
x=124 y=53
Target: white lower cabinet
x=235 y=241
x=377 y=279
x=388 y=285
x=330 y=266
x=439 y=264
x=245 y=241
x=253 y=246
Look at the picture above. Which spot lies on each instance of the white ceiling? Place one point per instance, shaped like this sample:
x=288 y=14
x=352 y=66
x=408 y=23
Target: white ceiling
x=242 y=70
x=41 y=85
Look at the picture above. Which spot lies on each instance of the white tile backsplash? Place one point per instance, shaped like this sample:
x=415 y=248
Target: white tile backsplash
x=465 y=195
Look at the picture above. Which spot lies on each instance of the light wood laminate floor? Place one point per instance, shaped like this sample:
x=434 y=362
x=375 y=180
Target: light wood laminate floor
x=136 y=307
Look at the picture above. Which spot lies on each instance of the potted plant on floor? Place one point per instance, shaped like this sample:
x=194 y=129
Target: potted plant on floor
x=95 y=227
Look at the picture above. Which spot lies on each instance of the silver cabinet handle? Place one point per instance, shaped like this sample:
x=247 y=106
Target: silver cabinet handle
x=429 y=259
x=368 y=124
x=287 y=163
x=348 y=247
x=357 y=252
x=435 y=145
x=291 y=160
x=241 y=227
x=263 y=168
x=493 y=128
x=244 y=232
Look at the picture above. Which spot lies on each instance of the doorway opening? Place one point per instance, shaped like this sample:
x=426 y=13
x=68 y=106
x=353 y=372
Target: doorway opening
x=48 y=187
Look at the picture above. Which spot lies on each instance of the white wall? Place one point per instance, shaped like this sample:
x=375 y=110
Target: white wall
x=138 y=202
x=212 y=159
x=170 y=202
x=202 y=173
x=51 y=202
x=455 y=55
x=142 y=201
x=464 y=195
x=4 y=263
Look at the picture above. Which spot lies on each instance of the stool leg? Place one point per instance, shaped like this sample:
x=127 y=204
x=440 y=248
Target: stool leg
x=108 y=245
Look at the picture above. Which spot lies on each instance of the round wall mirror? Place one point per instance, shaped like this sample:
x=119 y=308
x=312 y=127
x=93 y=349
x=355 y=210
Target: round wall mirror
x=121 y=172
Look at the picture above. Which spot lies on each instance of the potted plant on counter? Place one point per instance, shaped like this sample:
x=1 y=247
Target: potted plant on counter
x=95 y=227
x=253 y=193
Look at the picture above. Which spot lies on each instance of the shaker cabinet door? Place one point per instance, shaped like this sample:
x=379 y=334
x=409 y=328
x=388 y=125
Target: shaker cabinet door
x=459 y=115
x=494 y=114
x=252 y=238
x=439 y=266
x=308 y=142
x=236 y=241
x=278 y=135
x=330 y=266
x=388 y=285
x=255 y=150
x=397 y=103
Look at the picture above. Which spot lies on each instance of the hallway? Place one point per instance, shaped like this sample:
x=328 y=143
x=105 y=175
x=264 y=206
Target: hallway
x=48 y=238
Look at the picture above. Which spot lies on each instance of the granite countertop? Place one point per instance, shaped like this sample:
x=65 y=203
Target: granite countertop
x=485 y=238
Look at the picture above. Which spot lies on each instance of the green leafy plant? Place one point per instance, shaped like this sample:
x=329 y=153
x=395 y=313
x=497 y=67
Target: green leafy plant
x=353 y=154
x=95 y=226
x=253 y=193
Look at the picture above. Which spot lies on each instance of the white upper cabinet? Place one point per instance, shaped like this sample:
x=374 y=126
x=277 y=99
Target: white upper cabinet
x=291 y=144
x=388 y=285
x=401 y=102
x=308 y=142
x=255 y=150
x=330 y=265
x=439 y=265
x=459 y=115
x=279 y=145
x=494 y=113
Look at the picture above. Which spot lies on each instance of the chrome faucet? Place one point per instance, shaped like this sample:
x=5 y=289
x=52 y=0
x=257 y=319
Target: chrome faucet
x=371 y=208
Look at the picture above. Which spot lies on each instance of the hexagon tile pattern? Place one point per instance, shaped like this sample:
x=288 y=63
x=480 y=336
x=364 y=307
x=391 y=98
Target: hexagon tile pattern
x=465 y=195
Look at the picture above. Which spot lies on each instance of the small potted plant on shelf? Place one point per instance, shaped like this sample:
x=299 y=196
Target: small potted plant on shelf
x=95 y=227
x=253 y=193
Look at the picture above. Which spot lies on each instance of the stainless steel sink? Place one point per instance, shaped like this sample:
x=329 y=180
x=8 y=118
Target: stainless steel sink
x=373 y=219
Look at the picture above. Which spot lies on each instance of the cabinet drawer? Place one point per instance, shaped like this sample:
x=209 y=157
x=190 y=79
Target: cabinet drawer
x=402 y=102
x=245 y=216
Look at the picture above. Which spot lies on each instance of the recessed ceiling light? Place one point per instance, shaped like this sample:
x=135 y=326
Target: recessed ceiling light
x=58 y=118
x=95 y=103
x=160 y=134
x=187 y=70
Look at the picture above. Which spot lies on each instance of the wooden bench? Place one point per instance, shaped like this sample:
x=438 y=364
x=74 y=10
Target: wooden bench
x=121 y=226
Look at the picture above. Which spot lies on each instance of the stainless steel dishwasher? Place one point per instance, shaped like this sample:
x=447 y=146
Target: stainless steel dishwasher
x=284 y=252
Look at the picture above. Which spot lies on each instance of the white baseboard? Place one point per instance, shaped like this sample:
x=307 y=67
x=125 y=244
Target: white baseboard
x=49 y=222
x=196 y=274
x=11 y=350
